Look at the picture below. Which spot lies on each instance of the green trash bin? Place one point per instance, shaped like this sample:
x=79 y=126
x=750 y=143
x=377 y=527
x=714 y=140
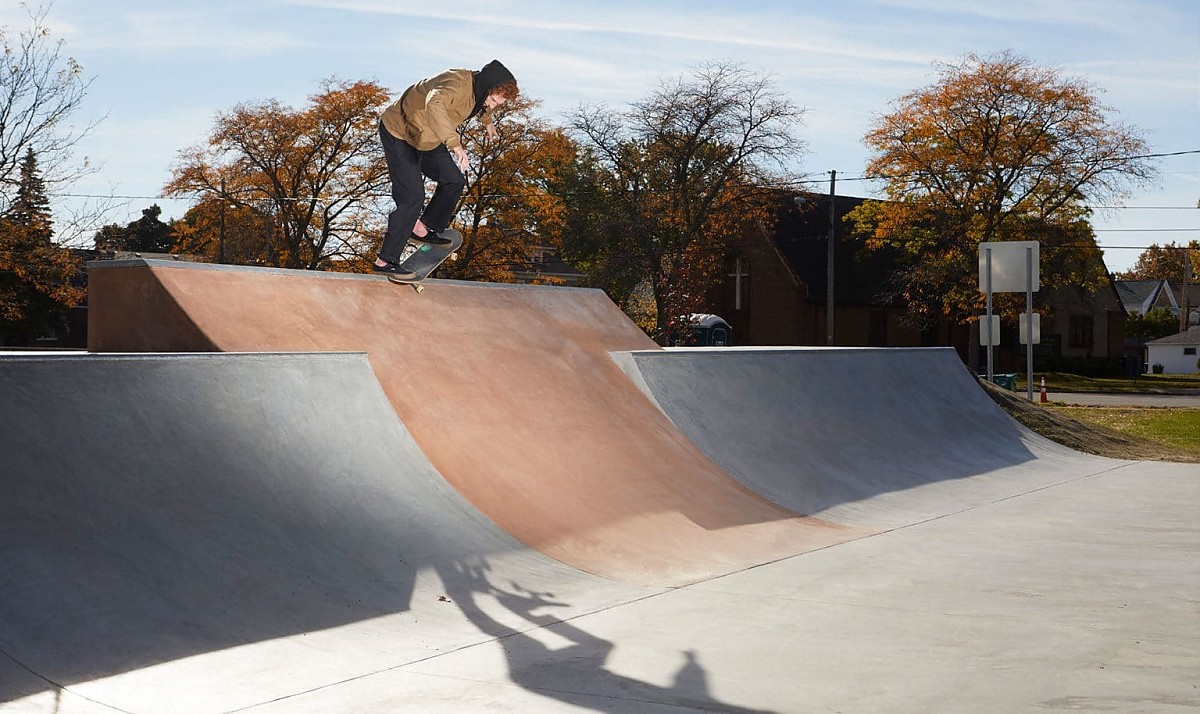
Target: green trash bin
x=1008 y=381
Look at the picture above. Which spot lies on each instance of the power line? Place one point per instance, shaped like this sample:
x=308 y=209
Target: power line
x=1144 y=247
x=1117 y=159
x=518 y=195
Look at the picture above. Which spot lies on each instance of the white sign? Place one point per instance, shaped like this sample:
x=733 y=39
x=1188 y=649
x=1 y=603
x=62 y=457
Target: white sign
x=1035 y=323
x=989 y=338
x=1010 y=268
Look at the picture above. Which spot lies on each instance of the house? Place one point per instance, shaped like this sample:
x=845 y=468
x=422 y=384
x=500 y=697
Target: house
x=1141 y=296
x=1083 y=332
x=774 y=288
x=1176 y=353
x=546 y=266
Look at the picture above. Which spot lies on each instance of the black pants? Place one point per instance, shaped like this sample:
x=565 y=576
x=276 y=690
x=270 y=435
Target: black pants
x=408 y=168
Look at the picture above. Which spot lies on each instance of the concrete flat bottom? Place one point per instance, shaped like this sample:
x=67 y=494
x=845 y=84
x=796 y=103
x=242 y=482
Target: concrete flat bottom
x=1079 y=597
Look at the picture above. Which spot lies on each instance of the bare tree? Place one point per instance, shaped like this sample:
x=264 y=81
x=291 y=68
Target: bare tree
x=40 y=88
x=675 y=176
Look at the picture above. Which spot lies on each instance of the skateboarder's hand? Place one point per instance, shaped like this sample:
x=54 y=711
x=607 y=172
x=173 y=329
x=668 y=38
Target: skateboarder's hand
x=460 y=158
x=492 y=132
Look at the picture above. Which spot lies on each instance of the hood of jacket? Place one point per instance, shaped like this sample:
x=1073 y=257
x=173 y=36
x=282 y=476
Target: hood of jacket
x=492 y=75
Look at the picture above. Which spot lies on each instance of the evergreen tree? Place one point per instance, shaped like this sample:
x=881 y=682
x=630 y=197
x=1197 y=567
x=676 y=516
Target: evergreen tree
x=150 y=235
x=31 y=208
x=37 y=278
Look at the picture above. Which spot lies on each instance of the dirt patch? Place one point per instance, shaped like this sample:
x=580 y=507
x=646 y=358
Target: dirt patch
x=1081 y=436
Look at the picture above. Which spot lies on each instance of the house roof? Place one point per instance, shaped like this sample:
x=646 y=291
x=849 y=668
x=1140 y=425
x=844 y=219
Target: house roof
x=1136 y=294
x=1188 y=337
x=547 y=263
x=1142 y=295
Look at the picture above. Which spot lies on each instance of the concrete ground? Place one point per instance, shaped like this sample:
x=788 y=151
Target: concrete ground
x=1079 y=597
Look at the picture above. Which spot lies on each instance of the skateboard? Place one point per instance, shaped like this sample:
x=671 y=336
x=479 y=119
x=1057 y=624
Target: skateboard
x=423 y=259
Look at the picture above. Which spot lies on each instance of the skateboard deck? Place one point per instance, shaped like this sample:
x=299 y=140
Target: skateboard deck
x=423 y=259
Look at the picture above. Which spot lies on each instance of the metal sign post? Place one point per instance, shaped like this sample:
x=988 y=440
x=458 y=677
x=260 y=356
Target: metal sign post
x=991 y=338
x=1029 y=321
x=1009 y=267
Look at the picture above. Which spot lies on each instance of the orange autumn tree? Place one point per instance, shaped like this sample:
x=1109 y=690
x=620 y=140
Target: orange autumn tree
x=1166 y=262
x=510 y=211
x=41 y=93
x=225 y=233
x=296 y=188
x=38 y=279
x=997 y=149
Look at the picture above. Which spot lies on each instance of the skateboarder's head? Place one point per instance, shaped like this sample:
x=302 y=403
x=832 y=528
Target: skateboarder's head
x=494 y=85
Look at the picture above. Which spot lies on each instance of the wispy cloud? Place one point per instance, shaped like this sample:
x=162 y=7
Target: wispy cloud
x=713 y=28
x=167 y=32
x=1117 y=17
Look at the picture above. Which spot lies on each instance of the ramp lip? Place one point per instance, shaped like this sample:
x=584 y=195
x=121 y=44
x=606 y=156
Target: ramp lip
x=177 y=356
x=319 y=274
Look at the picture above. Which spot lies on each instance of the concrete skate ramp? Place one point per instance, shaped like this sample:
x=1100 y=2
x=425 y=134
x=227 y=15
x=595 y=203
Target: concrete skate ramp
x=873 y=437
x=510 y=392
x=174 y=528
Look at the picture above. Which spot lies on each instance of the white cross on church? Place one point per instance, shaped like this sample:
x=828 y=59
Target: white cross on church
x=739 y=272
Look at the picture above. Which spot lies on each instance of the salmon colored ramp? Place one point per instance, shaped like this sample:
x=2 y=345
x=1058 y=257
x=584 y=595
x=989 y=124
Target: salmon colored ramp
x=508 y=390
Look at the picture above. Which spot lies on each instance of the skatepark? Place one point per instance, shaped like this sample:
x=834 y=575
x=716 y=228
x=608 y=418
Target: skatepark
x=283 y=491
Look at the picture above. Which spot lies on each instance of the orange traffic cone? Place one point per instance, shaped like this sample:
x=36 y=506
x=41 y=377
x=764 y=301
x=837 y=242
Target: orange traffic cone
x=1044 y=400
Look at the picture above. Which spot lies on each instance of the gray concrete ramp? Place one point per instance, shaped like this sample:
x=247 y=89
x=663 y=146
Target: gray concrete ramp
x=866 y=437
x=172 y=528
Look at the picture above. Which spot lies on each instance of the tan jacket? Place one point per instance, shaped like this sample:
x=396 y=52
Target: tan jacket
x=429 y=112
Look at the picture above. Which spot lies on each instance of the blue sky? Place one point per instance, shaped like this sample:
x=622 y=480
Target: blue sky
x=162 y=70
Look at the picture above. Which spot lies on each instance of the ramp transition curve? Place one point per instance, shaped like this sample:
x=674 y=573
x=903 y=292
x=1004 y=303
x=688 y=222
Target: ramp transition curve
x=509 y=391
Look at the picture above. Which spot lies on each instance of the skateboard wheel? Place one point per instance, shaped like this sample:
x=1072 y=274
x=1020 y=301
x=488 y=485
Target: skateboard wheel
x=420 y=288
x=454 y=256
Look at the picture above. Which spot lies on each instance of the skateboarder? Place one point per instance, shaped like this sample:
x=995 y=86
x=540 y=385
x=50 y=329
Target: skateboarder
x=420 y=138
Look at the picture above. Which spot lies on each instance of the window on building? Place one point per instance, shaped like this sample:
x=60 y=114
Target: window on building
x=1189 y=350
x=1082 y=332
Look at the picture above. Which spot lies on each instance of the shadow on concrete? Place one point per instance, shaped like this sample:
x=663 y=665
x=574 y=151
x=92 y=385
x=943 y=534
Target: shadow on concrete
x=155 y=508
x=575 y=674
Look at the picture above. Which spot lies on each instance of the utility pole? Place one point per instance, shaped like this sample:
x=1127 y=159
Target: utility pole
x=829 y=262
x=1184 y=321
x=221 y=228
